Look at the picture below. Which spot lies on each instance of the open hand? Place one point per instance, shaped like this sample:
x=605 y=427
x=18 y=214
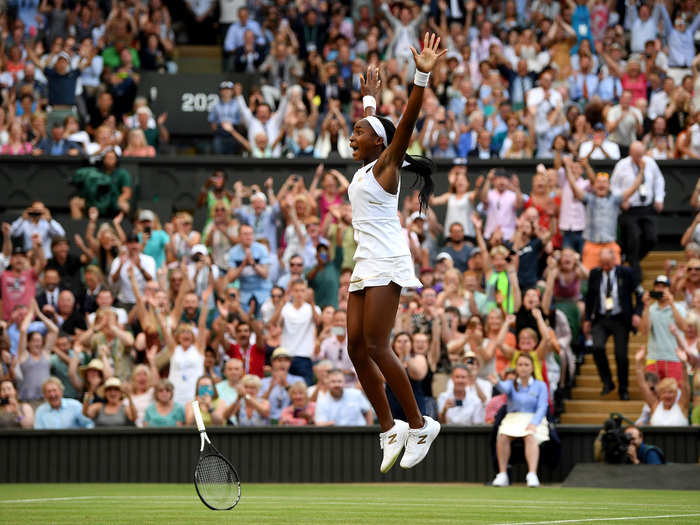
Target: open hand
x=371 y=85
x=425 y=62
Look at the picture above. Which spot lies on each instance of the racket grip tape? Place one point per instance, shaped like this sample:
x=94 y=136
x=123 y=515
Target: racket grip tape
x=197 y=415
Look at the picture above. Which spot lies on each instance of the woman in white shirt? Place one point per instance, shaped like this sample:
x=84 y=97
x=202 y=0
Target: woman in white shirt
x=383 y=263
x=666 y=407
x=460 y=201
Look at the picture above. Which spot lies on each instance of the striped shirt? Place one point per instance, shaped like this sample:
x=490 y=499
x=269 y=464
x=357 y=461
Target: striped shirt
x=601 y=217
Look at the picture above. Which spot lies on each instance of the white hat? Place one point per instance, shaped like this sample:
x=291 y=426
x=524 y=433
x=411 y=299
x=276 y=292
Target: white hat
x=442 y=256
x=258 y=195
x=417 y=215
x=146 y=215
x=199 y=248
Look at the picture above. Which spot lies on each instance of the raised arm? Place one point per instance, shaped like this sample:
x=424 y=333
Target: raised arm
x=648 y=396
x=387 y=167
x=660 y=10
x=201 y=342
x=578 y=192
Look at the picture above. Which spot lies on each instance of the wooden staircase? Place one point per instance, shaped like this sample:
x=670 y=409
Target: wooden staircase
x=586 y=406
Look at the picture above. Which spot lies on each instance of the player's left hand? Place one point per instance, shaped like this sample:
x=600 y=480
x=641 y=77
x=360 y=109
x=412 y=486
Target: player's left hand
x=427 y=59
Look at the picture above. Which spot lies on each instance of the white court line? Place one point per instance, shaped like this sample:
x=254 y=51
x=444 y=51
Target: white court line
x=624 y=518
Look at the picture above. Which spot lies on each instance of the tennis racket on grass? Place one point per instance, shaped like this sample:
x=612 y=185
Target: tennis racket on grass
x=215 y=479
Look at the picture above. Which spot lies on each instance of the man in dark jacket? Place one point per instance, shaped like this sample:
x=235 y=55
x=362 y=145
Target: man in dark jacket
x=611 y=311
x=639 y=452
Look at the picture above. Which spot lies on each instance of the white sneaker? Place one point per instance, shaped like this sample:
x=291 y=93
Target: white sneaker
x=501 y=480
x=418 y=444
x=532 y=479
x=392 y=442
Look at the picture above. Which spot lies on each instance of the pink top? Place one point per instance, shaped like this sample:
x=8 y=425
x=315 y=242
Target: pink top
x=501 y=212
x=572 y=212
x=24 y=149
x=563 y=290
x=17 y=289
x=288 y=417
x=637 y=87
x=324 y=205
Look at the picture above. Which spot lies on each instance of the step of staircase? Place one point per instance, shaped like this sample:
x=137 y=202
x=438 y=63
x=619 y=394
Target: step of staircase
x=592 y=393
x=587 y=406
x=597 y=419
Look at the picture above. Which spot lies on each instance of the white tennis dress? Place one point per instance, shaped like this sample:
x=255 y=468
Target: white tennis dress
x=382 y=253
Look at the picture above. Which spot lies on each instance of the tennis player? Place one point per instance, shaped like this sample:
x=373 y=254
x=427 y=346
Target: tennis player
x=383 y=263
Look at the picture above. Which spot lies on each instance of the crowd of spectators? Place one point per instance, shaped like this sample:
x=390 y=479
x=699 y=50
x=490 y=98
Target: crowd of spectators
x=521 y=79
x=69 y=76
x=246 y=312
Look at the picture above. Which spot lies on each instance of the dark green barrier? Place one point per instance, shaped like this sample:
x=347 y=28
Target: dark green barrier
x=283 y=455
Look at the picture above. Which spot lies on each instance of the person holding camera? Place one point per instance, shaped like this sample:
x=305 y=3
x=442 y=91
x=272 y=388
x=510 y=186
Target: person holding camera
x=36 y=219
x=639 y=452
x=13 y=413
x=610 y=311
x=660 y=315
x=465 y=404
x=154 y=239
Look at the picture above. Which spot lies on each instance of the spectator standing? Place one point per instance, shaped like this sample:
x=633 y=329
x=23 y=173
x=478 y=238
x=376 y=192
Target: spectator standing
x=299 y=319
x=502 y=203
x=610 y=311
x=264 y=121
x=681 y=44
x=235 y=36
x=637 y=227
x=602 y=210
x=143 y=267
x=572 y=212
x=343 y=406
x=223 y=116
x=324 y=278
x=624 y=123
x=599 y=147
x=251 y=355
x=18 y=284
x=36 y=219
x=58 y=412
x=249 y=263
x=643 y=24
x=660 y=318
x=334 y=348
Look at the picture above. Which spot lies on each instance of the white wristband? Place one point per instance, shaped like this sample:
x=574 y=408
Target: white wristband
x=368 y=101
x=421 y=79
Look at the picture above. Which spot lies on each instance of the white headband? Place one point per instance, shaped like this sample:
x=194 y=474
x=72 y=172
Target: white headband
x=377 y=127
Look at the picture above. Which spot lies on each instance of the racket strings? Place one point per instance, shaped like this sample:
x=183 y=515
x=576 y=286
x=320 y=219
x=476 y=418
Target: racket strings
x=216 y=482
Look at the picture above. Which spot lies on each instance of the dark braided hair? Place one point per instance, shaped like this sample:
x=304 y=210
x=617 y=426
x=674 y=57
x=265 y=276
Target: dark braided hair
x=422 y=166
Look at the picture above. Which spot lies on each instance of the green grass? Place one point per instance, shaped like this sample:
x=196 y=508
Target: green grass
x=385 y=504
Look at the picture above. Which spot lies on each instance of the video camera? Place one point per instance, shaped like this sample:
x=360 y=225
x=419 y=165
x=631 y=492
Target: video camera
x=614 y=440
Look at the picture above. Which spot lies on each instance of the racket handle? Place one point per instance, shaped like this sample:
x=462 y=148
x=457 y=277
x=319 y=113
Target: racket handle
x=197 y=415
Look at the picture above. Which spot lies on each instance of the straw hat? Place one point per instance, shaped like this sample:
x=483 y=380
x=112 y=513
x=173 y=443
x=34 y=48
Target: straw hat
x=112 y=382
x=95 y=364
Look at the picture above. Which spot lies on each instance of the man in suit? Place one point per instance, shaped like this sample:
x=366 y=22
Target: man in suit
x=58 y=144
x=610 y=310
x=51 y=289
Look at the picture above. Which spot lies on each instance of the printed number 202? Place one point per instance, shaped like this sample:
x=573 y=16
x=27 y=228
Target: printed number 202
x=198 y=101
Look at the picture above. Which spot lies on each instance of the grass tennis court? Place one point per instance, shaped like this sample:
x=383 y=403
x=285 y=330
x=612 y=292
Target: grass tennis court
x=352 y=504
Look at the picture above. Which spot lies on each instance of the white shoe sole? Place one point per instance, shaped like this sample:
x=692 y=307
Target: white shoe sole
x=430 y=434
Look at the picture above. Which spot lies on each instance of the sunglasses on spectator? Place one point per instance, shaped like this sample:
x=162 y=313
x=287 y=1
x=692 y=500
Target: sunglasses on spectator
x=277 y=296
x=471 y=361
x=295 y=264
x=693 y=268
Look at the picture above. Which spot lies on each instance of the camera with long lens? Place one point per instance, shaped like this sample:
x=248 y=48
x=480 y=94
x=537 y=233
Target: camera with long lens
x=614 y=441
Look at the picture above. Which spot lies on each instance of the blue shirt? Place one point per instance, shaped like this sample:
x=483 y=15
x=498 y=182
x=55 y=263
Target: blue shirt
x=581 y=22
x=249 y=280
x=609 y=89
x=13 y=334
x=349 y=410
x=531 y=398
x=225 y=112
x=155 y=247
x=278 y=398
x=264 y=225
x=68 y=415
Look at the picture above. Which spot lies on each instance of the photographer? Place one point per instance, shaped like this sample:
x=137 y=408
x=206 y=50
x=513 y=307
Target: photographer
x=202 y=270
x=660 y=313
x=465 y=404
x=36 y=219
x=639 y=452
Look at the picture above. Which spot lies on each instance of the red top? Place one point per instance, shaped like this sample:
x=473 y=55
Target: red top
x=253 y=359
x=17 y=289
x=637 y=87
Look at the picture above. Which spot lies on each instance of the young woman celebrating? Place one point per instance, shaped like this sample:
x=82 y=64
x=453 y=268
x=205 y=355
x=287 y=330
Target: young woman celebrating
x=383 y=262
